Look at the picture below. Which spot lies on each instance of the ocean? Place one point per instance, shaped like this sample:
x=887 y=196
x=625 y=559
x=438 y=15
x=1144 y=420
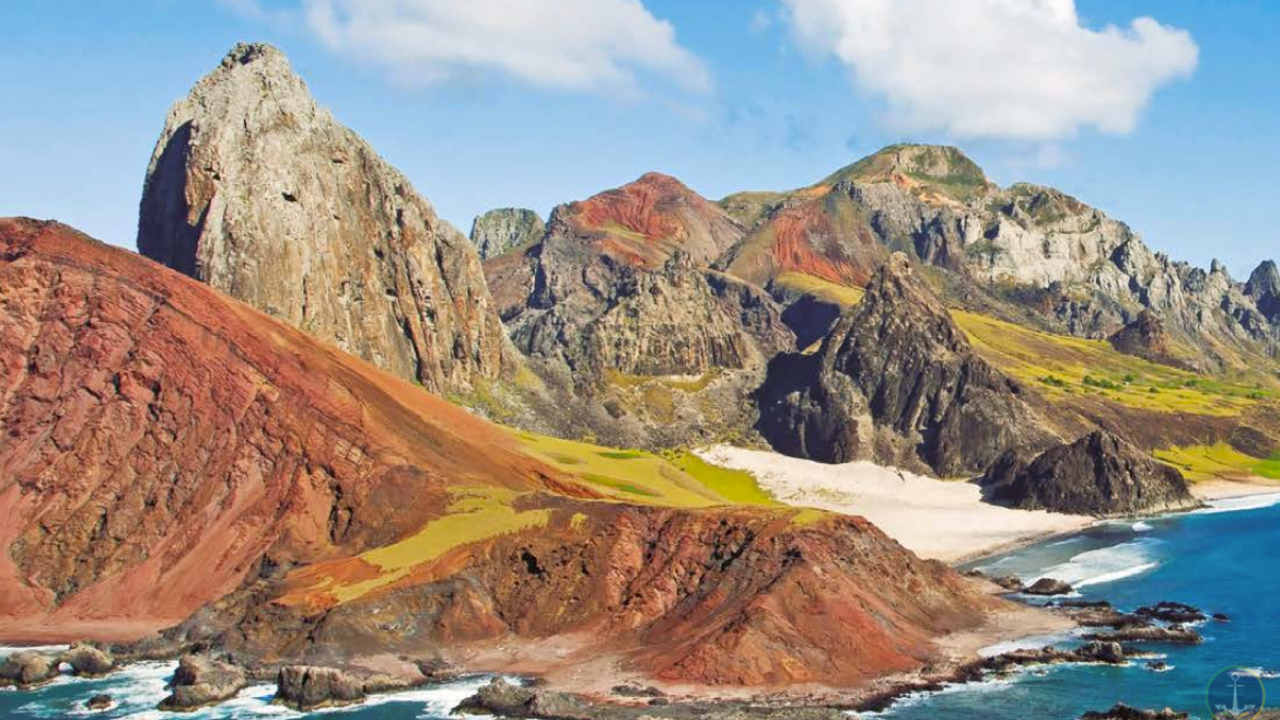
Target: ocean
x=1223 y=559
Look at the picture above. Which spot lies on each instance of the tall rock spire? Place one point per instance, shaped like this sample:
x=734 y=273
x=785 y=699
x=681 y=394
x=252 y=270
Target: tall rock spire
x=258 y=191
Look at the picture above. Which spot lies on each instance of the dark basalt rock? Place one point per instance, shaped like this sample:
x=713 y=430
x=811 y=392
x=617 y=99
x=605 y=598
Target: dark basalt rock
x=896 y=380
x=1120 y=711
x=307 y=688
x=27 y=669
x=1047 y=587
x=1099 y=474
x=99 y=702
x=201 y=680
x=1172 y=612
x=1175 y=634
x=1146 y=338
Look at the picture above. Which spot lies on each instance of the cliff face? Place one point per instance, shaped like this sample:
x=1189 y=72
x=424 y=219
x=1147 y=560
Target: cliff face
x=896 y=381
x=160 y=440
x=1099 y=474
x=168 y=453
x=620 y=283
x=259 y=192
x=500 y=231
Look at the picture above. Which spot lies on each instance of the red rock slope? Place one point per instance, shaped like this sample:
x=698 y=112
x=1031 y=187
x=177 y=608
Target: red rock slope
x=166 y=451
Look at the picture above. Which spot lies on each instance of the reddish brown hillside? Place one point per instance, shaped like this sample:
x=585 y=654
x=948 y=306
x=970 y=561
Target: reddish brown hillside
x=160 y=438
x=642 y=222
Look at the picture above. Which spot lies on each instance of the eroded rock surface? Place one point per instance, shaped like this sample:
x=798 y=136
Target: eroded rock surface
x=201 y=680
x=497 y=232
x=258 y=191
x=310 y=688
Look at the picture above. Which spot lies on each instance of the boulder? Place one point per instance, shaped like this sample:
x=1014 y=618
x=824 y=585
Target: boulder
x=200 y=681
x=99 y=703
x=306 y=688
x=26 y=669
x=88 y=660
x=1048 y=587
x=1120 y=711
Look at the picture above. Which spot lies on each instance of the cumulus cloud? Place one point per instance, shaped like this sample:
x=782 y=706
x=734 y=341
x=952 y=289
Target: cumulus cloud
x=1023 y=69
x=603 y=46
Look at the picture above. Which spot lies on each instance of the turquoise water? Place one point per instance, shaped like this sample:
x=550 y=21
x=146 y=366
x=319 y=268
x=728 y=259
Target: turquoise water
x=1223 y=560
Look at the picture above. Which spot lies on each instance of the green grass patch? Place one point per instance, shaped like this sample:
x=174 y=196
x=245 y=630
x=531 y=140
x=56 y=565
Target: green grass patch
x=1065 y=366
x=1207 y=462
x=677 y=480
x=843 y=295
x=737 y=486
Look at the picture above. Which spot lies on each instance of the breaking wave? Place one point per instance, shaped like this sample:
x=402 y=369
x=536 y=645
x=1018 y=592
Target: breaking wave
x=1106 y=565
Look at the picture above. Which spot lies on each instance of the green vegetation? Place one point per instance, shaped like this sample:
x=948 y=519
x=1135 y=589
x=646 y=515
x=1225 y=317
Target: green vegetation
x=476 y=514
x=942 y=169
x=1061 y=364
x=680 y=479
x=1204 y=462
x=843 y=295
x=736 y=486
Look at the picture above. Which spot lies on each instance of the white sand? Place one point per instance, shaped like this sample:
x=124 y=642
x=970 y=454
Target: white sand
x=943 y=520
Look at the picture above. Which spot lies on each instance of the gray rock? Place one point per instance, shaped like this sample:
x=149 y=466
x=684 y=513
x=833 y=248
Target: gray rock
x=200 y=681
x=1100 y=474
x=499 y=231
x=1048 y=587
x=256 y=190
x=88 y=660
x=25 y=669
x=99 y=702
x=307 y=688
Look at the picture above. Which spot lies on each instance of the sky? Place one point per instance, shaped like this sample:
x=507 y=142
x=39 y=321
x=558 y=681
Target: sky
x=1163 y=113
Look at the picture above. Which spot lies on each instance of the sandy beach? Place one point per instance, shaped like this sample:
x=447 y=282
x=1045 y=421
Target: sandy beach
x=937 y=519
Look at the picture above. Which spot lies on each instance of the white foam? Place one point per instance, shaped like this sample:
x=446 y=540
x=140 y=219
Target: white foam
x=1106 y=565
x=1141 y=527
x=1033 y=642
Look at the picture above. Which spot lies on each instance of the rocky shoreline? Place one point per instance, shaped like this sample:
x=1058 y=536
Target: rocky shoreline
x=206 y=677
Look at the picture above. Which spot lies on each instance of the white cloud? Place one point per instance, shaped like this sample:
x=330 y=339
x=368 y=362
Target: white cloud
x=603 y=46
x=1023 y=69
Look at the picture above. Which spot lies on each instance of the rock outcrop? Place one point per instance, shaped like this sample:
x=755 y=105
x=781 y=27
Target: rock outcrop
x=1099 y=474
x=1264 y=288
x=498 y=232
x=88 y=660
x=1146 y=338
x=201 y=680
x=27 y=669
x=259 y=192
x=896 y=381
x=312 y=688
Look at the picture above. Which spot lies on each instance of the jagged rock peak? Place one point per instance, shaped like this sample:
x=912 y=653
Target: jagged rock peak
x=498 y=231
x=1264 y=288
x=256 y=190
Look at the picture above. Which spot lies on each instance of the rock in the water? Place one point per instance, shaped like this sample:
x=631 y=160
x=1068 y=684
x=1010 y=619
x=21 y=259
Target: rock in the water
x=1120 y=711
x=26 y=669
x=88 y=660
x=896 y=381
x=99 y=702
x=1172 y=612
x=1099 y=474
x=256 y=190
x=307 y=688
x=1174 y=634
x=201 y=680
x=500 y=231
x=1047 y=587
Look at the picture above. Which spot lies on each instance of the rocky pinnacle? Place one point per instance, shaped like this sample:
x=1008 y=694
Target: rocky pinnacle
x=256 y=190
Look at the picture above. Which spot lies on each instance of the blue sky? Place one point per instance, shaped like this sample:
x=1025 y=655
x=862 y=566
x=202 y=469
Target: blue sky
x=740 y=97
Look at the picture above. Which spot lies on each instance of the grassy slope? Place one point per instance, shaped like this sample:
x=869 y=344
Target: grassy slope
x=678 y=480
x=1206 y=462
x=821 y=288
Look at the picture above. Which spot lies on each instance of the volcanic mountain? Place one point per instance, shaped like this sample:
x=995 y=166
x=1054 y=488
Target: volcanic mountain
x=168 y=452
x=256 y=190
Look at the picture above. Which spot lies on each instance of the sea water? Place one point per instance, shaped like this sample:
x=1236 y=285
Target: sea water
x=1223 y=559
